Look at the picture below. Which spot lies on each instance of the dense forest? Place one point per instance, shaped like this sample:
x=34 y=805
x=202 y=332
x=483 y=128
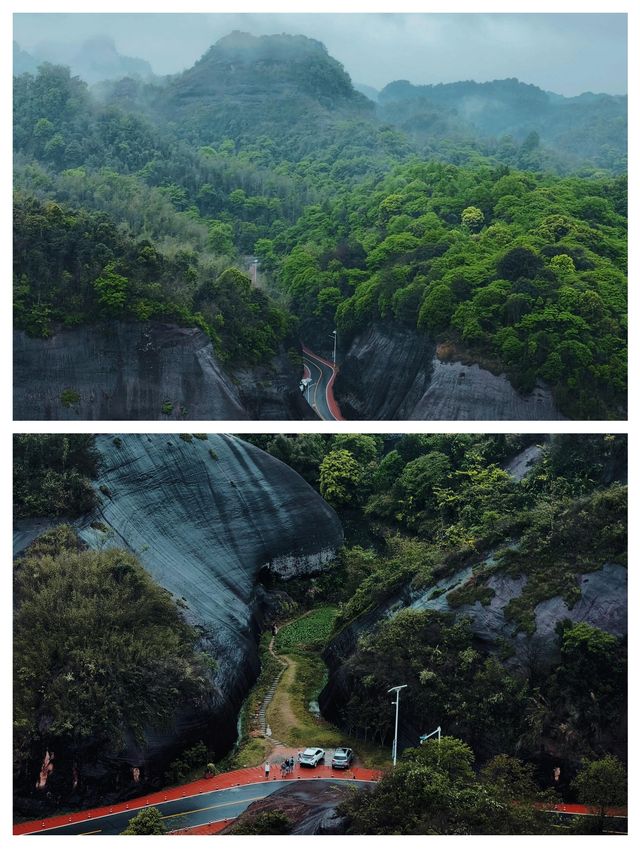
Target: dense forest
x=145 y=199
x=101 y=654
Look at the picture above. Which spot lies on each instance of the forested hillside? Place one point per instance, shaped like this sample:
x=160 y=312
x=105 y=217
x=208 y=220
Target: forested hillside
x=486 y=573
x=509 y=254
x=520 y=124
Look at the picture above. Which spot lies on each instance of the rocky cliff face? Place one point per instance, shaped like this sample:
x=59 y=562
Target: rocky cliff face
x=206 y=517
x=602 y=604
x=394 y=373
x=144 y=371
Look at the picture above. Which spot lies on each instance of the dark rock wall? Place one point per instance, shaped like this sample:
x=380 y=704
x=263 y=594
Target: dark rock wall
x=206 y=517
x=459 y=392
x=384 y=374
x=205 y=528
x=129 y=371
x=393 y=373
x=603 y=604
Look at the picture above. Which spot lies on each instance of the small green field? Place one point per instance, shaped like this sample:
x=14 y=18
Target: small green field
x=308 y=633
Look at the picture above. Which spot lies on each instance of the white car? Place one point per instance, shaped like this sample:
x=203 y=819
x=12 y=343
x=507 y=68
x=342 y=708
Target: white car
x=311 y=757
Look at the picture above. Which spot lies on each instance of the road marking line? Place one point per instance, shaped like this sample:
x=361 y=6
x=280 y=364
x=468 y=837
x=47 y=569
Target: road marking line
x=135 y=809
x=93 y=832
x=208 y=808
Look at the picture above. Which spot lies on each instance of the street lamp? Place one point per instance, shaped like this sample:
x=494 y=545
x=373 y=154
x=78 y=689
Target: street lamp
x=335 y=345
x=437 y=731
x=397 y=704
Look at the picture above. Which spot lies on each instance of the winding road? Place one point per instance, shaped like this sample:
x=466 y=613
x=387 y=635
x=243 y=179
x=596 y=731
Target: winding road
x=319 y=391
x=216 y=800
x=212 y=803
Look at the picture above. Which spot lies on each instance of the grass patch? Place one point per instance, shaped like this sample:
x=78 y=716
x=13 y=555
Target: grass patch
x=302 y=683
x=308 y=633
x=251 y=752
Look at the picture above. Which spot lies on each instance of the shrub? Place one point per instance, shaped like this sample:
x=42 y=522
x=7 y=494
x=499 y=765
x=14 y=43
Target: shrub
x=69 y=397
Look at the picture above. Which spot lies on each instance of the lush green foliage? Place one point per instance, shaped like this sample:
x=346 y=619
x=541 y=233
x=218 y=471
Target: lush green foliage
x=518 y=124
x=146 y=822
x=100 y=651
x=340 y=477
x=75 y=266
x=434 y=790
x=264 y=147
x=447 y=680
x=436 y=505
x=603 y=783
x=51 y=475
x=535 y=285
x=308 y=632
x=190 y=764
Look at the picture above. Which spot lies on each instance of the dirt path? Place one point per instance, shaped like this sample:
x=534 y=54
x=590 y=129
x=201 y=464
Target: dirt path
x=287 y=723
x=280 y=711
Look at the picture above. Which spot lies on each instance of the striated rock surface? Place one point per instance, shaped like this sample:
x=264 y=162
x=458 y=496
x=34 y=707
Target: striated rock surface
x=205 y=518
x=394 y=373
x=522 y=462
x=384 y=374
x=459 y=392
x=144 y=371
x=208 y=517
x=603 y=604
x=309 y=806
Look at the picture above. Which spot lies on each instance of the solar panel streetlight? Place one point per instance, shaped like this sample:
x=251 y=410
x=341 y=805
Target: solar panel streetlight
x=396 y=702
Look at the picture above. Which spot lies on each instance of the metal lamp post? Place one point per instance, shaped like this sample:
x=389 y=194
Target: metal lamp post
x=335 y=345
x=396 y=702
x=437 y=731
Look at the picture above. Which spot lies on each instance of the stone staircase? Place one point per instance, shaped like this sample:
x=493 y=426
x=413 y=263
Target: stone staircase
x=262 y=711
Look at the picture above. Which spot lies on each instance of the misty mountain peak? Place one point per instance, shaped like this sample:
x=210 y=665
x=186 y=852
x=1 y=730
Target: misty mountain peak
x=248 y=48
x=275 y=68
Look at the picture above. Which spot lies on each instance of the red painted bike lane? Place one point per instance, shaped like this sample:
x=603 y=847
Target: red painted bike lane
x=224 y=781
x=332 y=403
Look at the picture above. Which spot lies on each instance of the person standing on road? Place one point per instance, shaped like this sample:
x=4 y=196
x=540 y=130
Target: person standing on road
x=267 y=769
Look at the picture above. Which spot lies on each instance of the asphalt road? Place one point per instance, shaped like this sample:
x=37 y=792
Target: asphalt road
x=188 y=811
x=316 y=393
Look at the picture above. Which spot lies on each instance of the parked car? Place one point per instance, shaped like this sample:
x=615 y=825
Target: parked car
x=342 y=758
x=311 y=757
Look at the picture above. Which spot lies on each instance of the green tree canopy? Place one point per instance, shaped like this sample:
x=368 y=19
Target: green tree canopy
x=147 y=822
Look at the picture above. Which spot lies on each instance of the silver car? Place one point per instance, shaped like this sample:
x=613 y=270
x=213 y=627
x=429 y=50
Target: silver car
x=311 y=757
x=342 y=758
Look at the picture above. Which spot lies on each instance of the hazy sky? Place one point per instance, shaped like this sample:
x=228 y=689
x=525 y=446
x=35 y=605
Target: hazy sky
x=566 y=53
